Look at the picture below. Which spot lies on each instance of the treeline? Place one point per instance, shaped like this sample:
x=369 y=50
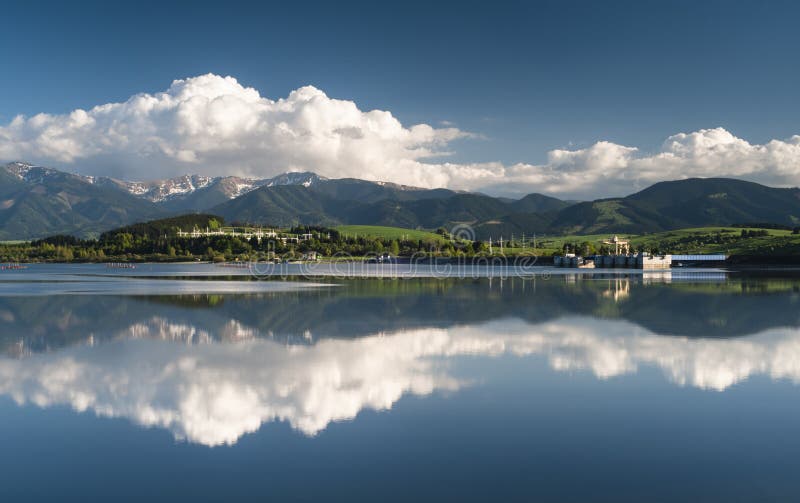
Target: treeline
x=587 y=248
x=159 y=241
x=756 y=233
x=768 y=225
x=758 y=241
x=725 y=238
x=168 y=226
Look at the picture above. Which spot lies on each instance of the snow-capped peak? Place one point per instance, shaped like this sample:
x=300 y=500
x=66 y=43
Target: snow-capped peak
x=30 y=172
x=159 y=191
x=306 y=179
x=19 y=169
x=162 y=190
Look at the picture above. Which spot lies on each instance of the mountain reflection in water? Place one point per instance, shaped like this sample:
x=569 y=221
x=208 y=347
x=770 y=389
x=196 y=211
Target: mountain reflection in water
x=213 y=368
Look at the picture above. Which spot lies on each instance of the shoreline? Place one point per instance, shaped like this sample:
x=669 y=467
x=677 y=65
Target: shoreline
x=733 y=262
x=358 y=269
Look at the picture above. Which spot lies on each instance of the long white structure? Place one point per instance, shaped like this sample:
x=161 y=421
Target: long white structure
x=243 y=232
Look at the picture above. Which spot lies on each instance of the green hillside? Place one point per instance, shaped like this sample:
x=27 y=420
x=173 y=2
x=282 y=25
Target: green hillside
x=46 y=202
x=386 y=206
x=65 y=204
x=282 y=206
x=664 y=206
x=167 y=226
x=680 y=204
x=728 y=240
x=377 y=231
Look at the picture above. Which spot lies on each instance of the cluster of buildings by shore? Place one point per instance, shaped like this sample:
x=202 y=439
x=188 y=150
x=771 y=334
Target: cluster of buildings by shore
x=630 y=260
x=622 y=257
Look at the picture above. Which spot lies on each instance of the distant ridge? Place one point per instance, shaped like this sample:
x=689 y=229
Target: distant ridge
x=38 y=201
x=676 y=204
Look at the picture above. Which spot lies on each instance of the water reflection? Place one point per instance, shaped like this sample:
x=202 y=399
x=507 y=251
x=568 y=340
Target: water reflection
x=735 y=307
x=214 y=393
x=211 y=368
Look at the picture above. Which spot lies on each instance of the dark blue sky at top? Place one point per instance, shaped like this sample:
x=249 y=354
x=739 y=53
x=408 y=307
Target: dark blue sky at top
x=529 y=76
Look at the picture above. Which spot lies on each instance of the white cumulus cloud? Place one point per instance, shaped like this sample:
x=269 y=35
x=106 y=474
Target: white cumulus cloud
x=213 y=125
x=608 y=169
x=213 y=393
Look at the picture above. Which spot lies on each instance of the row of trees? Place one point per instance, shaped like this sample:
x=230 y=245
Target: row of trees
x=137 y=244
x=159 y=241
x=754 y=233
x=691 y=242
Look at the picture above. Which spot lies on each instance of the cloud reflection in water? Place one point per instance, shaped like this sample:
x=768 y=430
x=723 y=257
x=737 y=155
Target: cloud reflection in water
x=213 y=393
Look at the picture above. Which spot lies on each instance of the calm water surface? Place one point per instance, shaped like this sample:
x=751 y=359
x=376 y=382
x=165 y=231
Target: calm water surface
x=194 y=383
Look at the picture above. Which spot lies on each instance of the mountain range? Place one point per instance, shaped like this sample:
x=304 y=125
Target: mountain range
x=38 y=201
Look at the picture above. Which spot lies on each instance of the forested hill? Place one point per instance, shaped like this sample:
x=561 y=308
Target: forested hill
x=37 y=202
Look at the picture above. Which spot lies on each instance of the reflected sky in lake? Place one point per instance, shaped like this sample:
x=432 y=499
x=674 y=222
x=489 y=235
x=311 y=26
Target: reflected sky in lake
x=588 y=371
x=213 y=394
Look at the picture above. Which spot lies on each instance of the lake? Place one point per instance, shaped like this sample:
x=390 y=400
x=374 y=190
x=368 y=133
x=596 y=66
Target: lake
x=206 y=383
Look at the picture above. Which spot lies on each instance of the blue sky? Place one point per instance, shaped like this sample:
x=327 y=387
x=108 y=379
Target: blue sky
x=527 y=77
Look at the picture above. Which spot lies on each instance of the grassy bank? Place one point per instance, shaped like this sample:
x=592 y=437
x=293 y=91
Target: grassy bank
x=146 y=242
x=377 y=231
x=728 y=240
